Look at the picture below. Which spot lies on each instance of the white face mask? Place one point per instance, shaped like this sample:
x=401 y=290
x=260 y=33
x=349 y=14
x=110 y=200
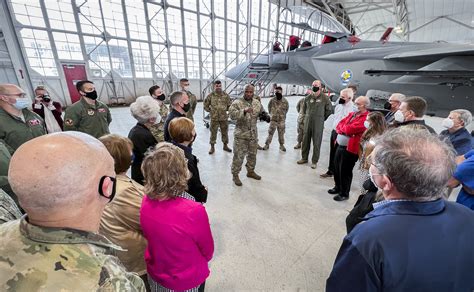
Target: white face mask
x=371 y=176
x=158 y=120
x=186 y=88
x=399 y=117
x=366 y=124
x=448 y=123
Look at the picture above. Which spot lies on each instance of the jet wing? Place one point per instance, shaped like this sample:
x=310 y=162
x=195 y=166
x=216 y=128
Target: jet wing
x=439 y=52
x=456 y=74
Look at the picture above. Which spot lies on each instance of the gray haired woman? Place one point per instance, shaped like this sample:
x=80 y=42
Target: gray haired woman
x=147 y=113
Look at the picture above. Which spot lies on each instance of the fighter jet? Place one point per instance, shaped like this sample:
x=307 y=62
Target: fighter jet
x=442 y=73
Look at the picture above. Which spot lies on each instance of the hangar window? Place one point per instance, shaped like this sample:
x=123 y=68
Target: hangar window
x=136 y=21
x=177 y=61
x=60 y=15
x=231 y=9
x=219 y=34
x=96 y=49
x=160 y=55
x=192 y=35
x=192 y=56
x=157 y=23
x=219 y=9
x=113 y=18
x=141 y=59
x=175 y=31
x=38 y=50
x=90 y=18
x=231 y=36
x=220 y=63
x=28 y=12
x=68 y=46
x=206 y=57
x=189 y=4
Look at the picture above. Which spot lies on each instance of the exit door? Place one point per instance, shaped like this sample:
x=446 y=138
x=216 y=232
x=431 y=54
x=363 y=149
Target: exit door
x=74 y=73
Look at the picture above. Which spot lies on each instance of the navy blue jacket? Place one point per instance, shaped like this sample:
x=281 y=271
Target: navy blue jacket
x=408 y=246
x=173 y=114
x=461 y=140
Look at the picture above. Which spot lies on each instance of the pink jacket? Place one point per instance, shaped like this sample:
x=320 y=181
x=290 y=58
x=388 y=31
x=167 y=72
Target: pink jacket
x=180 y=243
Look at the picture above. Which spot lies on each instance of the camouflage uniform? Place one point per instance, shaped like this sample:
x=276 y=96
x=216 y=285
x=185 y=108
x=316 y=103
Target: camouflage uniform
x=8 y=209
x=245 y=134
x=193 y=104
x=54 y=259
x=317 y=110
x=87 y=118
x=157 y=130
x=278 y=110
x=301 y=114
x=217 y=105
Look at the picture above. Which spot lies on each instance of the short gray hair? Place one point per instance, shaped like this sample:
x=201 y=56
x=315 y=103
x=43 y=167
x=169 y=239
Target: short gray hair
x=464 y=115
x=144 y=108
x=366 y=100
x=398 y=96
x=417 y=162
x=349 y=92
x=176 y=97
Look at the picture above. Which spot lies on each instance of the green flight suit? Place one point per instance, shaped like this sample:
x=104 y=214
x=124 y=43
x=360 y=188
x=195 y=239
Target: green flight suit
x=87 y=118
x=317 y=110
x=14 y=131
x=4 y=163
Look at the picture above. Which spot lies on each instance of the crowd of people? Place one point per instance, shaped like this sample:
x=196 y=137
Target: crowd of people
x=64 y=216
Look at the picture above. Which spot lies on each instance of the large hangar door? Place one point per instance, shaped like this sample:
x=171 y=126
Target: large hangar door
x=73 y=74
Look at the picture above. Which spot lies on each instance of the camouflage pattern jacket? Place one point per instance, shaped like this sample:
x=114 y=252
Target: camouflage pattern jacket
x=157 y=130
x=37 y=258
x=301 y=110
x=193 y=103
x=246 y=123
x=217 y=105
x=278 y=109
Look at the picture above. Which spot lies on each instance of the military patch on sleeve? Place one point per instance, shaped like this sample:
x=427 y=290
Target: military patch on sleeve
x=69 y=122
x=102 y=110
x=34 y=122
x=90 y=112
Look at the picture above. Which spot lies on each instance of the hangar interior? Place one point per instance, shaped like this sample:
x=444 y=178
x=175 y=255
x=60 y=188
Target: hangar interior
x=281 y=233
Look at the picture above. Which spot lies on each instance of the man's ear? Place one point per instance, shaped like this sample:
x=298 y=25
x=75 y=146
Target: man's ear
x=386 y=184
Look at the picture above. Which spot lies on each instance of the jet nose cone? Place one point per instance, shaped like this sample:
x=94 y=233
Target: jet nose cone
x=237 y=71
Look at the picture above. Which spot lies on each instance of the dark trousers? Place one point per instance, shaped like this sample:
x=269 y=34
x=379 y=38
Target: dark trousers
x=344 y=162
x=332 y=152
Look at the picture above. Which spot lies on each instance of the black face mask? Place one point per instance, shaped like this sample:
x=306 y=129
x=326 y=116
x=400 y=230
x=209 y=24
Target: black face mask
x=278 y=95
x=161 y=97
x=92 y=95
x=186 y=107
x=315 y=88
x=342 y=101
x=101 y=182
x=387 y=105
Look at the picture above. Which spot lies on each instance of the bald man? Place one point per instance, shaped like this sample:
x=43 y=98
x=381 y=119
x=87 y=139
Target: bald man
x=56 y=245
x=318 y=108
x=17 y=123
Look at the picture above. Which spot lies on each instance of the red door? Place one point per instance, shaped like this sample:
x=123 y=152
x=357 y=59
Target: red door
x=74 y=73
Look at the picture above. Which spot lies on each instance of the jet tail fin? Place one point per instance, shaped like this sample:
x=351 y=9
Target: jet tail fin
x=386 y=34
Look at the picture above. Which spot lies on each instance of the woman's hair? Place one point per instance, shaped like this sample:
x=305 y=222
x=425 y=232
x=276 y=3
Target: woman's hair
x=119 y=148
x=181 y=129
x=144 y=108
x=377 y=125
x=166 y=172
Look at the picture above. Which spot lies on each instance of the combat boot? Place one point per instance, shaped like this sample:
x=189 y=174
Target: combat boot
x=236 y=180
x=226 y=148
x=282 y=148
x=302 y=161
x=253 y=175
x=259 y=147
x=266 y=147
x=211 y=151
x=297 y=146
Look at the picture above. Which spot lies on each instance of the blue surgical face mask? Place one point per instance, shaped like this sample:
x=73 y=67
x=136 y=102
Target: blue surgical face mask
x=22 y=103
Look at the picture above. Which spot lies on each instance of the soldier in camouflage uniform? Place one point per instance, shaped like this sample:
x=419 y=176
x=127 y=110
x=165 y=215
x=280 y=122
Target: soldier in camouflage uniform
x=56 y=246
x=217 y=104
x=245 y=112
x=300 y=122
x=184 y=84
x=278 y=108
x=157 y=129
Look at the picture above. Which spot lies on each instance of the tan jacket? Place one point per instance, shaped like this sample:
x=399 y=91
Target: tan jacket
x=121 y=224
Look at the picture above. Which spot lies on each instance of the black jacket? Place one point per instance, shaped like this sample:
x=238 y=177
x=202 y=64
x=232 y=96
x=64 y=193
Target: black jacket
x=195 y=187
x=173 y=114
x=142 y=140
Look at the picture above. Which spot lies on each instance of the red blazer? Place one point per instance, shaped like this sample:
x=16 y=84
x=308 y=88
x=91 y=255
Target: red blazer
x=353 y=128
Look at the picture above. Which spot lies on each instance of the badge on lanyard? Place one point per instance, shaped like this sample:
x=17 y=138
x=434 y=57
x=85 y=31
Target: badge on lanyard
x=90 y=112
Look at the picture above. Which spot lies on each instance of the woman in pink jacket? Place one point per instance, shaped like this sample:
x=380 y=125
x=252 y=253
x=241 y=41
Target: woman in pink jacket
x=177 y=229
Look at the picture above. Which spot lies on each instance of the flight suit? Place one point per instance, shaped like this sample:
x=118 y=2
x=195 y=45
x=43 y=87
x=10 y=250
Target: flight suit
x=193 y=104
x=245 y=134
x=90 y=119
x=217 y=105
x=14 y=131
x=278 y=110
x=317 y=110
x=4 y=163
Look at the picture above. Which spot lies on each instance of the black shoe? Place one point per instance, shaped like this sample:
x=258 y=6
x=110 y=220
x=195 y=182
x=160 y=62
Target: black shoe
x=340 y=198
x=333 y=191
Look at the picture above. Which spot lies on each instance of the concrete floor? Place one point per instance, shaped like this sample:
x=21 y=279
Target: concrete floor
x=280 y=233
